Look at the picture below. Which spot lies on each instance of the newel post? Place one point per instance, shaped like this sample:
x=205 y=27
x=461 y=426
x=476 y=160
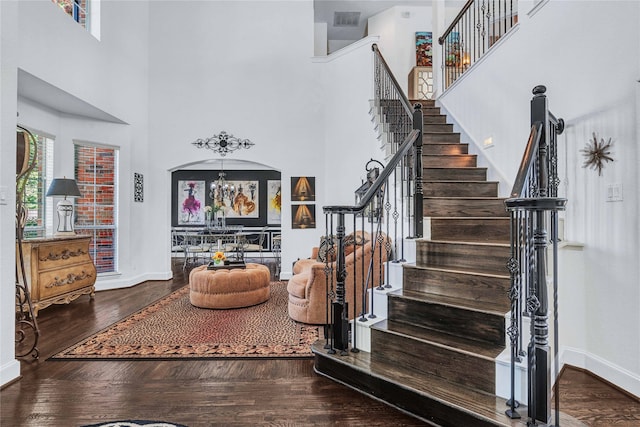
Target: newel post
x=340 y=310
x=539 y=350
x=418 y=197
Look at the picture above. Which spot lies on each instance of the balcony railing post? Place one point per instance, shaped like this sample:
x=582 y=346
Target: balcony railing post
x=340 y=309
x=418 y=198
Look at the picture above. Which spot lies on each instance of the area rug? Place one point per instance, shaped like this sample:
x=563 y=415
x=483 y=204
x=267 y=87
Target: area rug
x=173 y=328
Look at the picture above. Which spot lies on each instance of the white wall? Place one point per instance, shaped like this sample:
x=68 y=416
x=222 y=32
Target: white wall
x=320 y=43
x=348 y=132
x=591 y=80
x=397 y=29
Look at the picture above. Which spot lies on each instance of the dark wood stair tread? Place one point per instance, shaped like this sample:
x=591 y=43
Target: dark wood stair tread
x=502 y=245
x=465 y=197
x=483 y=407
x=454 y=270
x=441 y=339
x=476 y=218
x=441 y=181
x=466 y=304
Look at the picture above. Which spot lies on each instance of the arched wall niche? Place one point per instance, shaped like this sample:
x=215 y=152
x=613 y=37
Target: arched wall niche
x=248 y=200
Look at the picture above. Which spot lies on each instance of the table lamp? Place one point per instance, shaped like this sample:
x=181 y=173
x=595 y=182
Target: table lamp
x=67 y=188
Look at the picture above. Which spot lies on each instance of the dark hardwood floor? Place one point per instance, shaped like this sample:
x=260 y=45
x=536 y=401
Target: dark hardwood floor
x=216 y=392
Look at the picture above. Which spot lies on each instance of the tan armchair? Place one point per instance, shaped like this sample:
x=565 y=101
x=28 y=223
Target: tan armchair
x=308 y=286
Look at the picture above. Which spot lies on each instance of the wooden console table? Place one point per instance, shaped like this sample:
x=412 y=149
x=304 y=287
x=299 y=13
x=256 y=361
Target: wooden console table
x=58 y=269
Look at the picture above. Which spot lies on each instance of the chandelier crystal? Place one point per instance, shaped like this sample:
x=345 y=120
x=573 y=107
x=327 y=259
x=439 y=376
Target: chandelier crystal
x=223 y=143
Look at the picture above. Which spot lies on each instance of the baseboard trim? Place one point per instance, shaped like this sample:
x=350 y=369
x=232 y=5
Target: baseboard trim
x=9 y=372
x=619 y=377
x=109 y=282
x=286 y=275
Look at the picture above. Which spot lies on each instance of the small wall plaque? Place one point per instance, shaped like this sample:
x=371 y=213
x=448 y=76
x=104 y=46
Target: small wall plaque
x=138 y=187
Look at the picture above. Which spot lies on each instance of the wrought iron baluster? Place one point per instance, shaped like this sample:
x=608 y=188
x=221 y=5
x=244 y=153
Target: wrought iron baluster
x=354 y=334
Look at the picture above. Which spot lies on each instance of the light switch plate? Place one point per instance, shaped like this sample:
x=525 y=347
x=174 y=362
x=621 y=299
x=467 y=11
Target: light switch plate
x=614 y=192
x=3 y=194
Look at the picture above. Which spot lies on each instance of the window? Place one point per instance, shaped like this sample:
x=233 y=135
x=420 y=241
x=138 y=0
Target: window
x=96 y=211
x=77 y=9
x=39 y=209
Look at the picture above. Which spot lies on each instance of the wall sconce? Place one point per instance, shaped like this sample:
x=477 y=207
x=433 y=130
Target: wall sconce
x=66 y=188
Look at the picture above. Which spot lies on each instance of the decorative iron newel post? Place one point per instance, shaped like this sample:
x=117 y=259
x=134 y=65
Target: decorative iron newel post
x=418 y=198
x=340 y=309
x=539 y=351
x=534 y=205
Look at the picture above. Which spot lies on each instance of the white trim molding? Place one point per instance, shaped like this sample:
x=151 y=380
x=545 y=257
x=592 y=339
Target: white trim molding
x=614 y=374
x=113 y=282
x=9 y=372
x=367 y=41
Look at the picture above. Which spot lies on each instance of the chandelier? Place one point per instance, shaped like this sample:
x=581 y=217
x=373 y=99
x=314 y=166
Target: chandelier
x=223 y=143
x=221 y=189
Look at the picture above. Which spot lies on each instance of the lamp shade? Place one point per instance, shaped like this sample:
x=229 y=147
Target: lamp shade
x=64 y=187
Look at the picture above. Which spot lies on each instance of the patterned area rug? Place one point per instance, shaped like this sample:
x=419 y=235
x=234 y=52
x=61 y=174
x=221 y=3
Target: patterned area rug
x=173 y=328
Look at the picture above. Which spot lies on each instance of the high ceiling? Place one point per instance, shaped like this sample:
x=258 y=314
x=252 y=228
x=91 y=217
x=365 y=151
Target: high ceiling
x=324 y=11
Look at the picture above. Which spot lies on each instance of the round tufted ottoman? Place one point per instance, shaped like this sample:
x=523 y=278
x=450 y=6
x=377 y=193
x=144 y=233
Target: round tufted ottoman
x=229 y=288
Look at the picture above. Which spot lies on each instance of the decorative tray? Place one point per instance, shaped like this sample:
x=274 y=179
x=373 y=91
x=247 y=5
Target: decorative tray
x=231 y=265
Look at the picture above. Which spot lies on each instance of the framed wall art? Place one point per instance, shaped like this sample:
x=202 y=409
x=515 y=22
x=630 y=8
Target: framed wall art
x=274 y=200
x=191 y=196
x=236 y=199
x=303 y=189
x=424 y=44
x=303 y=216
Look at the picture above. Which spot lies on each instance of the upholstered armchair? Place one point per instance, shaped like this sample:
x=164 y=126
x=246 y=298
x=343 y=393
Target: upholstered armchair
x=308 y=286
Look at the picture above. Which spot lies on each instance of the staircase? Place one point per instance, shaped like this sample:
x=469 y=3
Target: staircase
x=435 y=354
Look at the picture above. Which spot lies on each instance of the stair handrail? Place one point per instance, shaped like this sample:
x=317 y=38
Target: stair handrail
x=387 y=70
x=532 y=206
x=377 y=185
x=527 y=160
x=337 y=308
x=455 y=21
x=386 y=91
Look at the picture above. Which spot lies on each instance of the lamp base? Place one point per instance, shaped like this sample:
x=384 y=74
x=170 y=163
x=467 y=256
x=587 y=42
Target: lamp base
x=65 y=219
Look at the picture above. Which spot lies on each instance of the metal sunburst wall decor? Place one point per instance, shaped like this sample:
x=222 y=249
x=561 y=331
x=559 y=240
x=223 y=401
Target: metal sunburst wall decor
x=597 y=153
x=223 y=143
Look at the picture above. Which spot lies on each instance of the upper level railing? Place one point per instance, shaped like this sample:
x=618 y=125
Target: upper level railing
x=477 y=27
x=533 y=207
x=391 y=99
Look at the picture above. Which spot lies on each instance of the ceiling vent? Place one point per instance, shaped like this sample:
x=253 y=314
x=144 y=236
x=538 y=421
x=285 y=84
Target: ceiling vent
x=346 y=19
